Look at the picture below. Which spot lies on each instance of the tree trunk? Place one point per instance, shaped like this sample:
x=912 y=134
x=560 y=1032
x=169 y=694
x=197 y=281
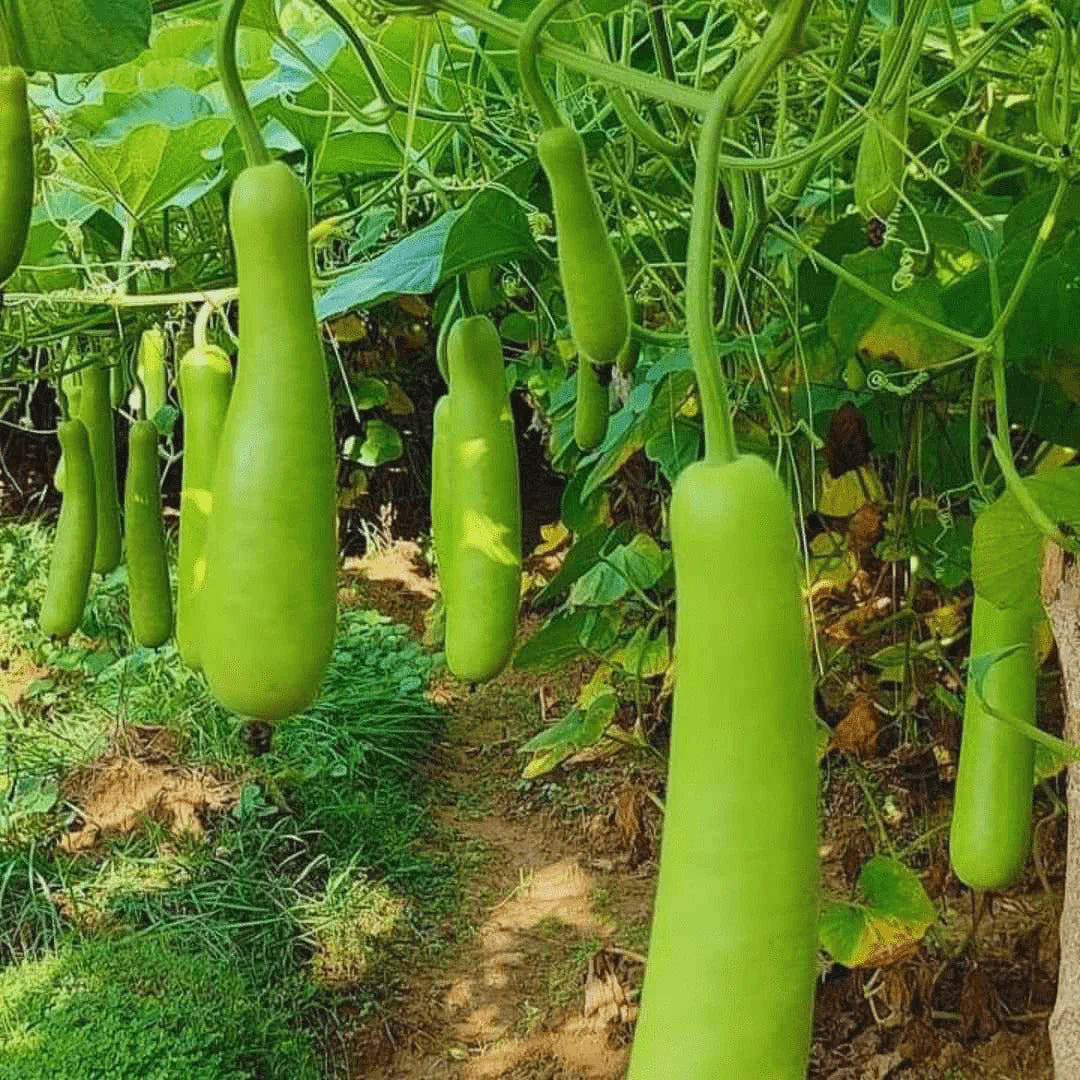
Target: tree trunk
x=1061 y=596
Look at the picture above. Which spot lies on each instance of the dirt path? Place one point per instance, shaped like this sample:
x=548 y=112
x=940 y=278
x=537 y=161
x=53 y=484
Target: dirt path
x=542 y=989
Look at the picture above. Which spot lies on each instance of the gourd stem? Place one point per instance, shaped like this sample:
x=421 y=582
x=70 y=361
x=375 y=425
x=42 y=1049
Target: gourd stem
x=202 y=324
x=720 y=447
x=531 y=81
x=247 y=126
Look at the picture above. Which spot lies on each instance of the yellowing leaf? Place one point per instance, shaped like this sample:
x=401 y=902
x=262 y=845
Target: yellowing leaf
x=841 y=496
x=398 y=402
x=349 y=328
x=552 y=537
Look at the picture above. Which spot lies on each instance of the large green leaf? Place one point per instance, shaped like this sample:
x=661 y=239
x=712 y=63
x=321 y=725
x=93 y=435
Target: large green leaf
x=147 y=169
x=490 y=229
x=894 y=916
x=1006 y=554
x=63 y=36
x=565 y=636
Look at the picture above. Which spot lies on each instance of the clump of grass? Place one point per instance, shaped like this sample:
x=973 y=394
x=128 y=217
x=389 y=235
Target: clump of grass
x=148 y=1007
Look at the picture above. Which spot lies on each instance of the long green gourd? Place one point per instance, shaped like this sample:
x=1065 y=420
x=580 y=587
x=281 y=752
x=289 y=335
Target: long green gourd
x=592 y=278
x=148 y=566
x=153 y=378
x=95 y=411
x=991 y=825
x=205 y=378
x=729 y=985
x=441 y=492
x=591 y=408
x=72 y=560
x=73 y=392
x=484 y=506
x=269 y=604
x=16 y=169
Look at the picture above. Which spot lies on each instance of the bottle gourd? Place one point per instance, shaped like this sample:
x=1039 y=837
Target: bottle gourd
x=205 y=386
x=729 y=986
x=95 y=411
x=148 y=566
x=72 y=560
x=592 y=278
x=591 y=409
x=995 y=776
x=16 y=169
x=269 y=601
x=483 y=512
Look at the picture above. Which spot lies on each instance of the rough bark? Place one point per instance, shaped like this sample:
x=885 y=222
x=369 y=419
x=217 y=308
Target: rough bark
x=1061 y=596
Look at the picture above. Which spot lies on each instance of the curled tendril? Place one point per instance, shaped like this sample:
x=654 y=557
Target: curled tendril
x=80 y=86
x=904 y=277
x=879 y=380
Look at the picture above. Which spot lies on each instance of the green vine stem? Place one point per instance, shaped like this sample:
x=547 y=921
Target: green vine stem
x=247 y=126
x=509 y=32
x=529 y=66
x=375 y=73
x=790 y=195
x=720 y=445
x=640 y=128
x=202 y=325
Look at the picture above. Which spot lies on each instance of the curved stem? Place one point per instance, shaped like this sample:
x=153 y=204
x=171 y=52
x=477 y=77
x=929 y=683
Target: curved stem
x=509 y=32
x=202 y=325
x=640 y=128
x=720 y=447
x=792 y=192
x=528 y=64
x=247 y=126
x=977 y=470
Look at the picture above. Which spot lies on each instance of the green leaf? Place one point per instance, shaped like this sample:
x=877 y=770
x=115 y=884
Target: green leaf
x=75 y=36
x=565 y=636
x=151 y=165
x=582 y=514
x=631 y=567
x=582 y=557
x=382 y=444
x=1006 y=555
x=369 y=393
x=645 y=657
x=675 y=448
x=893 y=917
x=491 y=228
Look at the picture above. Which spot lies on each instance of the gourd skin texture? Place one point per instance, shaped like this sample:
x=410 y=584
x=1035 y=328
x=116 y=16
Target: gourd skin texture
x=881 y=162
x=729 y=986
x=72 y=560
x=96 y=413
x=205 y=385
x=484 y=506
x=16 y=169
x=991 y=826
x=592 y=278
x=269 y=600
x=591 y=410
x=148 y=566
x=441 y=491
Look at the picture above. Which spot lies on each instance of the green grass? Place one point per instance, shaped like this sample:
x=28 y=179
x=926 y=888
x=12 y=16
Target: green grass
x=143 y=1008
x=328 y=876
